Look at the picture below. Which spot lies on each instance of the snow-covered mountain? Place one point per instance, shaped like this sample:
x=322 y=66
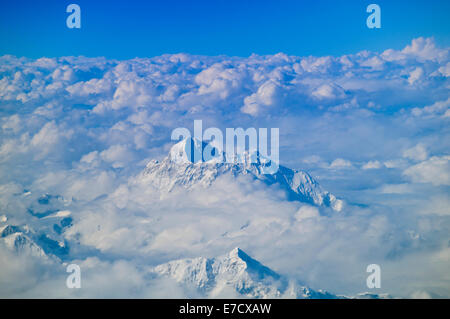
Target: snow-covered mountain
x=26 y=241
x=42 y=234
x=180 y=169
x=18 y=241
x=234 y=273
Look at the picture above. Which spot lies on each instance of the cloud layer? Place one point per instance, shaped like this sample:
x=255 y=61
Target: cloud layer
x=371 y=127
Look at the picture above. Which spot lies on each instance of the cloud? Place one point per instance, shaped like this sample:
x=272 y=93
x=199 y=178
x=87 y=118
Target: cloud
x=90 y=87
x=81 y=129
x=117 y=155
x=418 y=153
x=445 y=70
x=340 y=163
x=421 y=48
x=328 y=91
x=220 y=80
x=397 y=189
x=426 y=49
x=415 y=75
x=435 y=170
x=306 y=212
x=372 y=165
x=268 y=94
x=438 y=108
x=317 y=64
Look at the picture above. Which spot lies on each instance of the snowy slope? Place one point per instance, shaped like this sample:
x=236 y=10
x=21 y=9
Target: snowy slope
x=42 y=233
x=236 y=272
x=17 y=240
x=25 y=241
x=178 y=169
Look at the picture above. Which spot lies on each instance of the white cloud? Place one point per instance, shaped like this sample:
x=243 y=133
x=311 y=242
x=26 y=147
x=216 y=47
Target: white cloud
x=328 y=91
x=93 y=86
x=395 y=163
x=376 y=63
x=415 y=75
x=220 y=80
x=417 y=153
x=423 y=49
x=426 y=49
x=437 y=205
x=117 y=155
x=313 y=159
x=435 y=170
x=436 y=109
x=317 y=65
x=397 y=189
x=340 y=163
x=445 y=70
x=372 y=165
x=12 y=123
x=268 y=94
x=306 y=212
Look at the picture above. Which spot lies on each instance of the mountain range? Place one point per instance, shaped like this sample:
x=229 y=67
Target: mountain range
x=178 y=169
x=235 y=272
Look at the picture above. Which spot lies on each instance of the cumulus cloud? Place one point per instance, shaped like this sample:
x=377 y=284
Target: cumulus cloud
x=117 y=155
x=435 y=170
x=418 y=153
x=340 y=163
x=328 y=91
x=438 y=108
x=307 y=212
x=267 y=95
x=415 y=75
x=445 y=70
x=397 y=189
x=426 y=49
x=421 y=48
x=372 y=165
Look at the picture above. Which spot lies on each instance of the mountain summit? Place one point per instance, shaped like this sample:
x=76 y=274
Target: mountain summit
x=234 y=273
x=180 y=169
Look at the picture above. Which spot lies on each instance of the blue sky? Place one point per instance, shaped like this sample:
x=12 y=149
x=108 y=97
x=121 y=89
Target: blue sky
x=128 y=29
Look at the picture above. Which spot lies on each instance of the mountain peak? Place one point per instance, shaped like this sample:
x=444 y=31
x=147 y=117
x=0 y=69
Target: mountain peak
x=192 y=150
x=252 y=265
x=235 y=270
x=192 y=162
x=236 y=252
